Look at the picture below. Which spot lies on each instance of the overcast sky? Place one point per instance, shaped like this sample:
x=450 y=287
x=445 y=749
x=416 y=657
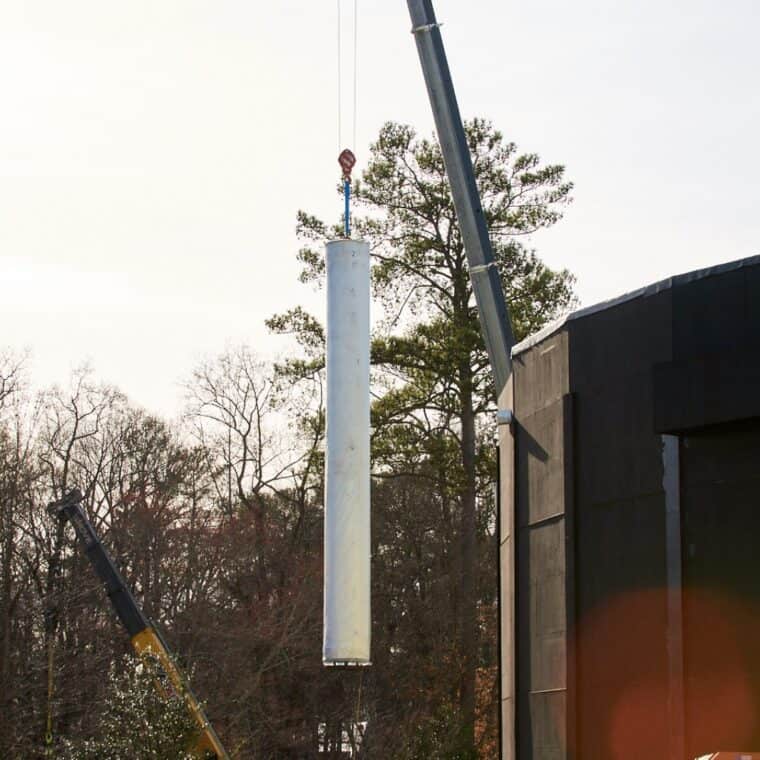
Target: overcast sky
x=153 y=155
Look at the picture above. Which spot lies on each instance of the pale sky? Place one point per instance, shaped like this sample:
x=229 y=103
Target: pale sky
x=153 y=155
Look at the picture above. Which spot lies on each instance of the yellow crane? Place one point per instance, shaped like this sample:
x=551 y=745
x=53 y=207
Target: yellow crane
x=146 y=639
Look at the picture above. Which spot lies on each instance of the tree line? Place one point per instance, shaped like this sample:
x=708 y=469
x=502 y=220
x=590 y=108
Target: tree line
x=215 y=519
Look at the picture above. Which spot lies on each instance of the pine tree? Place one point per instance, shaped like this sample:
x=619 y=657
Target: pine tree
x=137 y=722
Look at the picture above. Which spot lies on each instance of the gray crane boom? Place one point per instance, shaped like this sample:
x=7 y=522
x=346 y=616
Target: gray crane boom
x=486 y=284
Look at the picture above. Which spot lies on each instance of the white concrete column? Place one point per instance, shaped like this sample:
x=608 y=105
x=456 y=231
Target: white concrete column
x=347 y=547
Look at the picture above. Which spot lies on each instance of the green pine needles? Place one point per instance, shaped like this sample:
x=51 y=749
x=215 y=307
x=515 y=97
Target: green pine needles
x=137 y=723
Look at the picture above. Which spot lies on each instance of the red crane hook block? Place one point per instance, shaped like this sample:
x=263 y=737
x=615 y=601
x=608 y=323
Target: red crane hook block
x=347 y=161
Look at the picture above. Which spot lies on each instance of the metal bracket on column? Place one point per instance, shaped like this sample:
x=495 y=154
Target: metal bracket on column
x=426 y=28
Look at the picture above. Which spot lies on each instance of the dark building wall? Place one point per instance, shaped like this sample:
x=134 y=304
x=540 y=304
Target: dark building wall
x=541 y=529
x=720 y=485
x=620 y=527
x=533 y=499
x=602 y=659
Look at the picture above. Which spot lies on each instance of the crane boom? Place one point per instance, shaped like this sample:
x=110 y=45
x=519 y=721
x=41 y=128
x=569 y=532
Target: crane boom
x=495 y=324
x=146 y=639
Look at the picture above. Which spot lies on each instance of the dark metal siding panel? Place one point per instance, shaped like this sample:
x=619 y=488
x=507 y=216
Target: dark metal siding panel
x=541 y=375
x=710 y=315
x=693 y=393
x=542 y=582
x=726 y=453
x=621 y=547
x=721 y=508
x=619 y=343
x=541 y=467
x=541 y=640
x=547 y=716
x=752 y=291
x=620 y=561
x=542 y=621
x=568 y=444
x=621 y=653
x=620 y=602
x=619 y=452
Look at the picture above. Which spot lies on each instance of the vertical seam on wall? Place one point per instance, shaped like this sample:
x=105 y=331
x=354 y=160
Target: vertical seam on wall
x=671 y=483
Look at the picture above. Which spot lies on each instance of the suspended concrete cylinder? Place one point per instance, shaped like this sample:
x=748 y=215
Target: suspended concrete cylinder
x=347 y=520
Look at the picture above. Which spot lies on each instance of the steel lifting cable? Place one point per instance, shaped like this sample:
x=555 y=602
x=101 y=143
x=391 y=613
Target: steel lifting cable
x=356 y=65
x=340 y=83
x=355 y=73
x=347 y=159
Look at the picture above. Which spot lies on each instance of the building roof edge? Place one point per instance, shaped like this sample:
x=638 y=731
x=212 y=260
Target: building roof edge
x=645 y=292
